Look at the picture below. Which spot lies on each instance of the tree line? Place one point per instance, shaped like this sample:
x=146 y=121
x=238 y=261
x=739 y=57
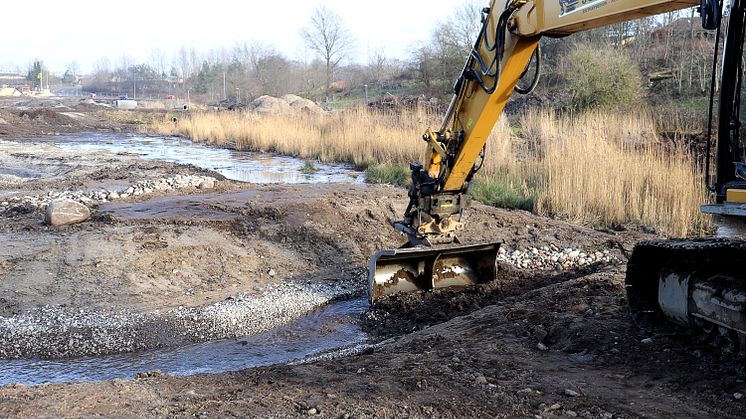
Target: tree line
x=660 y=57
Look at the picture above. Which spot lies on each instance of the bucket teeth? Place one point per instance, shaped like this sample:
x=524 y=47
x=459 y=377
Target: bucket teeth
x=395 y=271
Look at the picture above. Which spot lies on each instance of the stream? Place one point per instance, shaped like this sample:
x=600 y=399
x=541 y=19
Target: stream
x=335 y=326
x=332 y=327
x=244 y=166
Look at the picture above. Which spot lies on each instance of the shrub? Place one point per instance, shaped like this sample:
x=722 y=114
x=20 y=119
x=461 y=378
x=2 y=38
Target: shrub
x=601 y=78
x=309 y=167
x=392 y=174
x=498 y=192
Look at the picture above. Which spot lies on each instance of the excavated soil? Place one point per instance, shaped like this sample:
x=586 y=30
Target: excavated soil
x=531 y=343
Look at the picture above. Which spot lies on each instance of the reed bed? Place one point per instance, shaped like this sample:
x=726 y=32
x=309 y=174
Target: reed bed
x=601 y=169
x=607 y=169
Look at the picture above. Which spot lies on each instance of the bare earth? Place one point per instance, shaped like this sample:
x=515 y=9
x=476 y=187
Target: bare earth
x=531 y=343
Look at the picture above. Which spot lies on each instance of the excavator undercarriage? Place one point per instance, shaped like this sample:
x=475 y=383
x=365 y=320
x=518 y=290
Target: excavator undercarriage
x=694 y=283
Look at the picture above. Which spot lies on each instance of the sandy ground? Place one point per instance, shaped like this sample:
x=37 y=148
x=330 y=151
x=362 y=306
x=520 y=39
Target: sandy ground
x=531 y=343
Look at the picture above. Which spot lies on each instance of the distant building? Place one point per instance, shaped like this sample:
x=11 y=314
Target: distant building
x=12 y=79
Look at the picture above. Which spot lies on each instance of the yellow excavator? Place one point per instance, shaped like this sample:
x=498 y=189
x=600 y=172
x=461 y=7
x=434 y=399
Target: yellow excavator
x=692 y=281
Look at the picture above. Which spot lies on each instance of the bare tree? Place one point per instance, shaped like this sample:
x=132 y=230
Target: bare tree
x=327 y=36
x=184 y=65
x=378 y=66
x=467 y=22
x=158 y=60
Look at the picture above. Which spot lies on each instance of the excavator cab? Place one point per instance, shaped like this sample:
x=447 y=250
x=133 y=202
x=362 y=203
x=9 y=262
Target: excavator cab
x=729 y=186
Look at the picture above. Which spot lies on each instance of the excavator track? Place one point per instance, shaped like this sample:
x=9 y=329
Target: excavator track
x=692 y=282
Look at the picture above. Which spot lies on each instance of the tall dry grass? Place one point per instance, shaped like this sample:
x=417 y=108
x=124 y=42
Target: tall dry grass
x=597 y=168
x=607 y=169
x=354 y=136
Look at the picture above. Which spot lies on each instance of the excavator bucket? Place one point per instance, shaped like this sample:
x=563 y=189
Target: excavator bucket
x=395 y=271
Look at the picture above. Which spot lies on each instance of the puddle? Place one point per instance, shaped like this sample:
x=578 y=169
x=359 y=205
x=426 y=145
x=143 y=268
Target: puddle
x=244 y=166
x=331 y=327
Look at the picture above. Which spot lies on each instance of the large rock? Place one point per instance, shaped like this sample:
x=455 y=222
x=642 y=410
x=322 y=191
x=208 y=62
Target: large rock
x=66 y=211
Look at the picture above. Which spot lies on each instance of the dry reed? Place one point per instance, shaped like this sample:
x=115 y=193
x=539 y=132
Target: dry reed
x=608 y=169
x=596 y=168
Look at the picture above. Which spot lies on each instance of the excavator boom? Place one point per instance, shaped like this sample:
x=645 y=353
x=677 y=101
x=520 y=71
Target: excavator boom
x=505 y=46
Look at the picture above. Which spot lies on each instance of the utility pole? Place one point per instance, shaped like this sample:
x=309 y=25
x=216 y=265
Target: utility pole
x=225 y=96
x=238 y=100
x=366 y=95
x=134 y=85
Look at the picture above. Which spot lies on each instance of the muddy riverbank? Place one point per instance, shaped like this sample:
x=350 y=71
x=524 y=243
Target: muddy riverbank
x=547 y=340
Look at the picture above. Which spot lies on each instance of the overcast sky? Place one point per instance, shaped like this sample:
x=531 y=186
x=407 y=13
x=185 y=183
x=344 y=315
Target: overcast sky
x=59 y=32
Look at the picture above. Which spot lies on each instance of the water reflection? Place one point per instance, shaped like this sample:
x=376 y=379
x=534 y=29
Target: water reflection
x=243 y=166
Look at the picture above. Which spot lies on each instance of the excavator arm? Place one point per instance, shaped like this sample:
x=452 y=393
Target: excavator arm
x=508 y=40
x=501 y=55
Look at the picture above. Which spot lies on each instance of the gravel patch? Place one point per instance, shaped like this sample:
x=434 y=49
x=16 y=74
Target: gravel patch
x=55 y=332
x=552 y=258
x=28 y=203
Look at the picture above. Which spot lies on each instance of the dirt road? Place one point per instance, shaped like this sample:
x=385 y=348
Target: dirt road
x=540 y=341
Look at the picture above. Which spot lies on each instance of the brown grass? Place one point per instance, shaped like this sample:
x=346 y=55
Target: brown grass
x=355 y=136
x=595 y=168
x=607 y=169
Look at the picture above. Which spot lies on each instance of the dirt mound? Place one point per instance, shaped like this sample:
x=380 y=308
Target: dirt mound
x=284 y=104
x=268 y=104
x=302 y=104
x=89 y=103
x=47 y=116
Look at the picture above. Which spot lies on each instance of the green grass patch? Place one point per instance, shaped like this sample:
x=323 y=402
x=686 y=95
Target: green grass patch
x=392 y=174
x=498 y=192
x=309 y=167
x=362 y=166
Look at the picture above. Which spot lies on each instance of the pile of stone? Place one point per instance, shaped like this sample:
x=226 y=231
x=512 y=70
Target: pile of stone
x=27 y=204
x=552 y=258
x=163 y=185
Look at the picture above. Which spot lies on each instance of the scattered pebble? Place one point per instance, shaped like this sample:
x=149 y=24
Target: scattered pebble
x=553 y=258
x=647 y=341
x=542 y=347
x=571 y=393
x=738 y=396
x=27 y=203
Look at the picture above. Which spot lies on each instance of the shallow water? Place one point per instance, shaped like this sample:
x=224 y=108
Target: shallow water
x=335 y=326
x=331 y=327
x=244 y=166
x=732 y=227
